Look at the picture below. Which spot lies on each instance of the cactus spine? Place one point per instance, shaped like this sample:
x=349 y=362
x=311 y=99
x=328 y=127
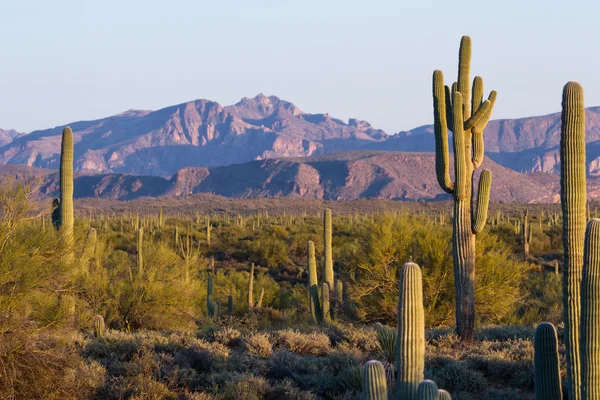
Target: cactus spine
x=313 y=283
x=325 y=303
x=546 y=363
x=410 y=344
x=467 y=120
x=139 y=250
x=66 y=189
x=98 y=326
x=573 y=201
x=327 y=238
x=251 y=288
x=374 y=384
x=210 y=305
x=590 y=314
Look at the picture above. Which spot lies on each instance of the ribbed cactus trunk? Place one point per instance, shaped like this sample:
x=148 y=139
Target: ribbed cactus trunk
x=140 y=250
x=325 y=307
x=573 y=200
x=89 y=248
x=410 y=344
x=327 y=251
x=230 y=305
x=427 y=390
x=261 y=297
x=374 y=384
x=251 y=288
x=527 y=235
x=98 y=326
x=467 y=120
x=210 y=305
x=546 y=363
x=313 y=283
x=66 y=190
x=590 y=314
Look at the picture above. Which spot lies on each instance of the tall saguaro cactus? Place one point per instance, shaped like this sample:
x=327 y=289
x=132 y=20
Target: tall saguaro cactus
x=454 y=109
x=327 y=253
x=251 y=288
x=573 y=200
x=410 y=344
x=590 y=314
x=66 y=188
x=527 y=234
x=139 y=250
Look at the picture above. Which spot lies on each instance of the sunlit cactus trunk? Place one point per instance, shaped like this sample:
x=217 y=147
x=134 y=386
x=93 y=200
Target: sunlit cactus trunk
x=140 y=251
x=410 y=343
x=313 y=283
x=327 y=253
x=66 y=190
x=98 y=326
x=590 y=314
x=466 y=116
x=374 y=384
x=573 y=196
x=546 y=363
x=251 y=288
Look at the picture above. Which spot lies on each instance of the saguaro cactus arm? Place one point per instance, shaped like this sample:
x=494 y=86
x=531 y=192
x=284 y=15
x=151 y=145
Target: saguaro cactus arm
x=441 y=95
x=483 y=200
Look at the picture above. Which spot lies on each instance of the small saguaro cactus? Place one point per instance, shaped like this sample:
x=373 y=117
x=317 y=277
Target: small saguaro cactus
x=251 y=288
x=427 y=390
x=313 y=283
x=230 y=305
x=208 y=229
x=526 y=234
x=98 y=326
x=161 y=221
x=374 y=385
x=410 y=343
x=326 y=312
x=467 y=120
x=89 y=247
x=66 y=188
x=327 y=251
x=573 y=196
x=55 y=214
x=139 y=250
x=546 y=363
x=261 y=297
x=217 y=309
x=210 y=305
x=590 y=313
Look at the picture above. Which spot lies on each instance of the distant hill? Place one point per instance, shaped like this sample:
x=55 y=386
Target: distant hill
x=341 y=176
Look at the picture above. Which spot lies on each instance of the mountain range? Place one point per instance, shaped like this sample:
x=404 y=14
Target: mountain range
x=266 y=146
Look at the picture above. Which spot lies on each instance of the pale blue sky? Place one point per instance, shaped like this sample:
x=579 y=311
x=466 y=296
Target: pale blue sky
x=63 y=61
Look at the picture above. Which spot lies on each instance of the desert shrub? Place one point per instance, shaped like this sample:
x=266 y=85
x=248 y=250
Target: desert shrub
x=391 y=241
x=226 y=335
x=455 y=377
x=46 y=365
x=314 y=343
x=259 y=344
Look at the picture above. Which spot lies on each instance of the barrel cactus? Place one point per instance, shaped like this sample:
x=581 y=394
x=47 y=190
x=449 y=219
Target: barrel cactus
x=410 y=343
x=427 y=390
x=374 y=386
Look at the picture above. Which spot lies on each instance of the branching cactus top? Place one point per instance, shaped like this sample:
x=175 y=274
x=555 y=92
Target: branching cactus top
x=462 y=110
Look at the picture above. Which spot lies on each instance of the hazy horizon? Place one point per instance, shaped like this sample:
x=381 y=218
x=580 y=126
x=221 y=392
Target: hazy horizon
x=66 y=61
